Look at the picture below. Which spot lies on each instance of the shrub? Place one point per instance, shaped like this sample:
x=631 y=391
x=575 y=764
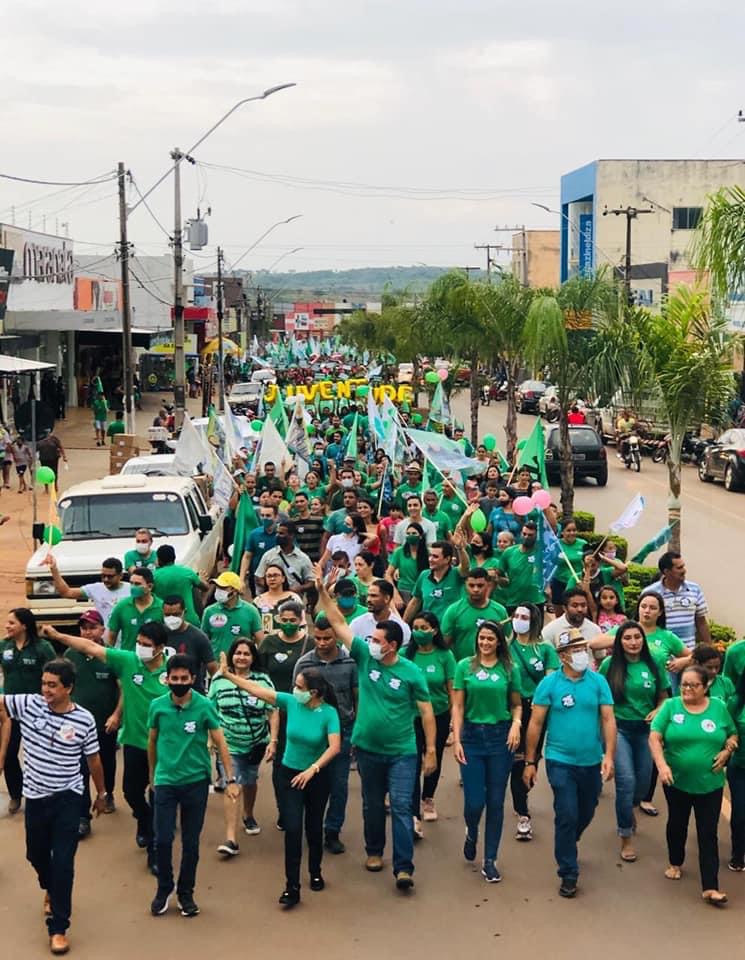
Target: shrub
x=585 y=522
x=721 y=636
x=631 y=593
x=642 y=575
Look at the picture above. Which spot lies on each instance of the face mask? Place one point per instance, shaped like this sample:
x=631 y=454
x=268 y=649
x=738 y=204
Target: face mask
x=221 y=595
x=580 y=661
x=173 y=623
x=421 y=637
x=347 y=603
x=283 y=541
x=412 y=539
x=376 y=650
x=143 y=652
x=179 y=689
x=267 y=523
x=136 y=591
x=142 y=548
x=302 y=696
x=347 y=483
x=289 y=629
x=521 y=626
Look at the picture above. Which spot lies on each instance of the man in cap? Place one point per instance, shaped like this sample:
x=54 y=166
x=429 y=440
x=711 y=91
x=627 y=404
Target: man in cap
x=412 y=484
x=230 y=616
x=576 y=705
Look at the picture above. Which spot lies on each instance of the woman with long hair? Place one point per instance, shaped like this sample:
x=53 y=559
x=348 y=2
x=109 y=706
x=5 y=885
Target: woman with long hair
x=276 y=593
x=639 y=684
x=375 y=534
x=569 y=568
x=430 y=653
x=313 y=740
x=364 y=573
x=350 y=541
x=486 y=713
x=408 y=561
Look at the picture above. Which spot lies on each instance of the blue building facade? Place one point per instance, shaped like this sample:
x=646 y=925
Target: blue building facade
x=578 y=221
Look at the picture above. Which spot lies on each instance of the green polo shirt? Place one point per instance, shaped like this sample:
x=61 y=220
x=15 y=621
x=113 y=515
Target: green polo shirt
x=139 y=687
x=182 y=751
x=442 y=521
x=178 y=580
x=95 y=688
x=462 y=620
x=437 y=595
x=486 y=690
x=641 y=691
x=22 y=668
x=438 y=667
x=526 y=576
x=223 y=624
x=126 y=620
x=134 y=559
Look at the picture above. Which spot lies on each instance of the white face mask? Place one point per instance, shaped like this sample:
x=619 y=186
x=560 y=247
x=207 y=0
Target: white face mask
x=143 y=652
x=221 y=595
x=347 y=484
x=579 y=661
x=520 y=626
x=173 y=623
x=376 y=650
x=142 y=548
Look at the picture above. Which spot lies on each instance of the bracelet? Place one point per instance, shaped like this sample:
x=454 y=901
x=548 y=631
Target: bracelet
x=530 y=763
x=274 y=741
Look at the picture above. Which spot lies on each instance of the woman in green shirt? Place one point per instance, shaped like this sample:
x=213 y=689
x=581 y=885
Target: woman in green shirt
x=693 y=737
x=486 y=711
x=569 y=568
x=250 y=728
x=363 y=573
x=535 y=660
x=408 y=561
x=313 y=740
x=736 y=780
x=710 y=659
x=639 y=685
x=430 y=653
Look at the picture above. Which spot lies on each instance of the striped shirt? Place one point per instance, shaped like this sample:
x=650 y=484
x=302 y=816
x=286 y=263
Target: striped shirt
x=53 y=744
x=682 y=606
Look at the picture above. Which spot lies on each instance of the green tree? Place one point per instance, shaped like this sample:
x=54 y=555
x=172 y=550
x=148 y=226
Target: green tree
x=719 y=243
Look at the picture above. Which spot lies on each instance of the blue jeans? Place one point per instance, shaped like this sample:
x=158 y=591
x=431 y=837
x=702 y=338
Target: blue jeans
x=192 y=799
x=485 y=775
x=736 y=780
x=339 y=784
x=633 y=771
x=394 y=775
x=576 y=793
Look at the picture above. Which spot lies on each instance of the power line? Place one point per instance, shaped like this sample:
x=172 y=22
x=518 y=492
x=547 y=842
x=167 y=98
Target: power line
x=60 y=183
x=147 y=207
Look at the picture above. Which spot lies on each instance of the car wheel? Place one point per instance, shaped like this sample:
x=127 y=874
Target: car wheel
x=602 y=477
x=702 y=474
x=731 y=480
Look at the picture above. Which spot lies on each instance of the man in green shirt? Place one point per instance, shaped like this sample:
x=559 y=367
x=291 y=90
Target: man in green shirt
x=129 y=615
x=174 y=579
x=462 y=619
x=412 y=484
x=433 y=513
x=143 y=554
x=100 y=415
x=345 y=594
x=440 y=586
x=116 y=426
x=230 y=616
x=181 y=724
x=392 y=691
x=520 y=573
x=451 y=503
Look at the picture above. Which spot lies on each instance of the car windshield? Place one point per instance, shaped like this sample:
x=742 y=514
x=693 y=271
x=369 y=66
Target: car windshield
x=580 y=439
x=245 y=388
x=736 y=438
x=533 y=385
x=110 y=515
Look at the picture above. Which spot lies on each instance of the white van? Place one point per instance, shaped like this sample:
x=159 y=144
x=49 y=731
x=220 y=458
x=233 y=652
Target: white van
x=98 y=519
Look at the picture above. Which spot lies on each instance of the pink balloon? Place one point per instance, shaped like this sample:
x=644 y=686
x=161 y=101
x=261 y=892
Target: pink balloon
x=542 y=499
x=522 y=506
x=442 y=374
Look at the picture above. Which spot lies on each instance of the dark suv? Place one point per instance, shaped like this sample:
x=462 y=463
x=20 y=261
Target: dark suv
x=588 y=454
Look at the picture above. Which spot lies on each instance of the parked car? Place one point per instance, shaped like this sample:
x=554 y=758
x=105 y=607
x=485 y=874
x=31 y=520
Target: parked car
x=588 y=454
x=244 y=397
x=406 y=373
x=725 y=460
x=528 y=395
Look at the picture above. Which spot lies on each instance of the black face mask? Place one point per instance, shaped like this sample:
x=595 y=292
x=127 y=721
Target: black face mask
x=179 y=689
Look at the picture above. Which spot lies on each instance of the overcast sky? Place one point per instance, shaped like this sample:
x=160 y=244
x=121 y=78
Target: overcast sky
x=460 y=112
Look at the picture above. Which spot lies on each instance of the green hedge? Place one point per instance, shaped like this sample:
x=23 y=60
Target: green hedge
x=632 y=597
x=585 y=522
x=642 y=575
x=721 y=635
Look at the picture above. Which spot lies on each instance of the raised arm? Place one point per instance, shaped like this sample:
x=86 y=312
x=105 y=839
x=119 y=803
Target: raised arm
x=88 y=647
x=257 y=690
x=69 y=593
x=333 y=614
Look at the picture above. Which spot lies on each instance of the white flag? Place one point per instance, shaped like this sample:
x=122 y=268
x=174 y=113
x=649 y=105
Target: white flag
x=274 y=449
x=630 y=516
x=191 y=452
x=223 y=486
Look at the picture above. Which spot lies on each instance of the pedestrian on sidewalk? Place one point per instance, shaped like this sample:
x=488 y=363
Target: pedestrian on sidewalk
x=576 y=706
x=58 y=736
x=49 y=450
x=100 y=416
x=23 y=456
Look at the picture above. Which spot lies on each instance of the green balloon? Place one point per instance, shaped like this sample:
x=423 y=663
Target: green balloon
x=256 y=425
x=348 y=420
x=52 y=534
x=431 y=376
x=490 y=441
x=311 y=430
x=417 y=418
x=362 y=391
x=44 y=475
x=478 y=521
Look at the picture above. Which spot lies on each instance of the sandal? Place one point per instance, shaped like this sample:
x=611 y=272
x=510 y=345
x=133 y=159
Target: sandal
x=628 y=856
x=715 y=897
x=673 y=873
x=649 y=808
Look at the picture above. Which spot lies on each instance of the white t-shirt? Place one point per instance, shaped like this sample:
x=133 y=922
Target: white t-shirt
x=551 y=631
x=104 y=600
x=430 y=530
x=364 y=625
x=340 y=541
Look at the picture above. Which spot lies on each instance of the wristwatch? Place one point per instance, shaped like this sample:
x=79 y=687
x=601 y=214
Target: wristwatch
x=530 y=763
x=231 y=780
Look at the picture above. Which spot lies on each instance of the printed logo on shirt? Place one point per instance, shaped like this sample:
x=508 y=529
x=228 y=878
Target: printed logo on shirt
x=537 y=665
x=437 y=593
x=252 y=701
x=137 y=679
x=67 y=732
x=494 y=677
x=280 y=657
x=678 y=718
x=531 y=559
x=374 y=675
x=568 y=701
x=133 y=621
x=685 y=602
x=7 y=654
x=430 y=669
x=218 y=620
x=163 y=680
x=394 y=683
x=708 y=726
x=235 y=629
x=190 y=726
x=482 y=675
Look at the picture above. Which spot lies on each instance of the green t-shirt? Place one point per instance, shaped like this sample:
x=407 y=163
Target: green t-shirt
x=573 y=553
x=319 y=491
x=526 y=576
x=486 y=690
x=116 y=426
x=691 y=741
x=134 y=559
x=406 y=490
x=126 y=620
x=641 y=692
x=408 y=571
x=178 y=580
x=437 y=595
x=738 y=715
x=334 y=522
x=95 y=688
x=22 y=669
x=438 y=667
x=278 y=658
x=734 y=661
x=243 y=717
x=361 y=589
x=307 y=731
x=722 y=688
x=453 y=508
x=358 y=611
x=666 y=644
x=139 y=686
x=461 y=621
x=387 y=705
x=223 y=624
x=534 y=661
x=100 y=408
x=442 y=521
x=182 y=752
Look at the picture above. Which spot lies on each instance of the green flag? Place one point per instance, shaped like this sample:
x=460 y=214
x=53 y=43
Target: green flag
x=654 y=544
x=533 y=454
x=351 y=451
x=245 y=521
x=278 y=415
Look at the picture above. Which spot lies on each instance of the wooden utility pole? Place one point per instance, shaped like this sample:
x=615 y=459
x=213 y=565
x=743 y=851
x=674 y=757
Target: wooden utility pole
x=220 y=351
x=127 y=352
x=631 y=213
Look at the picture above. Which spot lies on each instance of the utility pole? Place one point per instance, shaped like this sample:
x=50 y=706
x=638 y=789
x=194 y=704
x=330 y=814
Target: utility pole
x=631 y=213
x=220 y=353
x=127 y=354
x=179 y=359
x=489 y=262
x=518 y=228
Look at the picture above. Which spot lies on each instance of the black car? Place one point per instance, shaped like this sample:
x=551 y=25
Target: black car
x=725 y=460
x=527 y=395
x=588 y=454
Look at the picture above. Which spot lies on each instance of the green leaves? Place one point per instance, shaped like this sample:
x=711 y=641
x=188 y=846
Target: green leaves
x=719 y=242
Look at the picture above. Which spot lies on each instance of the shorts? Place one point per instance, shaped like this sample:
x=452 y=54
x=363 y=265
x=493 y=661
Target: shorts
x=20 y=469
x=246 y=774
x=99 y=424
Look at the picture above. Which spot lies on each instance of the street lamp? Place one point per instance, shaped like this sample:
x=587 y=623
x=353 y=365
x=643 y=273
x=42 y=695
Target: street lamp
x=266 y=233
x=287 y=253
x=574 y=226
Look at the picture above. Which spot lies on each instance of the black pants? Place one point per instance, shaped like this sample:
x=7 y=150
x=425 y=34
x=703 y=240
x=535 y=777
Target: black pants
x=427 y=787
x=293 y=804
x=277 y=780
x=13 y=772
x=191 y=799
x=706 y=808
x=51 y=842
x=107 y=753
x=517 y=786
x=134 y=783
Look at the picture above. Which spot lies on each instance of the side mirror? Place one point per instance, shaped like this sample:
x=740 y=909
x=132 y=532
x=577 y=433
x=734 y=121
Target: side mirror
x=206 y=523
x=37 y=531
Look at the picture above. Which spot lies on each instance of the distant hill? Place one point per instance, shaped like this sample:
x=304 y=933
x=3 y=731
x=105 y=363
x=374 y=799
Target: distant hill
x=365 y=283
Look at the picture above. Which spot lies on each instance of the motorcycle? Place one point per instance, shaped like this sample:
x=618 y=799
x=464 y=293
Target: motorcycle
x=485 y=395
x=692 y=449
x=631 y=453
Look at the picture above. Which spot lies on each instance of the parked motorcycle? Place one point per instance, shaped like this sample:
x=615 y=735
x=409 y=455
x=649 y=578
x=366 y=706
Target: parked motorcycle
x=631 y=453
x=485 y=395
x=692 y=449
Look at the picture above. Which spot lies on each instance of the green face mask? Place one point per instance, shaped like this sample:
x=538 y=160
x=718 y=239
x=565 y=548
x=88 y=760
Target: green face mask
x=422 y=637
x=136 y=591
x=412 y=539
x=289 y=629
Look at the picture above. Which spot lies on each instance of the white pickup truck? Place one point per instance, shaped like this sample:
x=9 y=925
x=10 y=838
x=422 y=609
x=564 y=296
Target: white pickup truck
x=98 y=519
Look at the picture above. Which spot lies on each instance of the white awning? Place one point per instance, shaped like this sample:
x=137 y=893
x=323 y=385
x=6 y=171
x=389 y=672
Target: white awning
x=19 y=365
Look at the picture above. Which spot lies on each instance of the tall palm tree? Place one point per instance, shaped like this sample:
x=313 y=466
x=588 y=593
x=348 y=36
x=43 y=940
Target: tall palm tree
x=719 y=243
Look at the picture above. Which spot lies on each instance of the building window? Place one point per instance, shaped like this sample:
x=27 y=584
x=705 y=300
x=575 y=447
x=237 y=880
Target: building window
x=686 y=218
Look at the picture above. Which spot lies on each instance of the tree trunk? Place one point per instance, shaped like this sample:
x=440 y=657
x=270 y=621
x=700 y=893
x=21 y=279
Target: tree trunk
x=474 y=377
x=510 y=424
x=673 y=502
x=566 y=466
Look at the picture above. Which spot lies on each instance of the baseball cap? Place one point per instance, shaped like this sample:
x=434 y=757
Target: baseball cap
x=228 y=579
x=570 y=638
x=345 y=586
x=413 y=466
x=91 y=616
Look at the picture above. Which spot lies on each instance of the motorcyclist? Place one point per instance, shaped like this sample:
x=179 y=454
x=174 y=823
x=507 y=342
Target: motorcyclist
x=625 y=426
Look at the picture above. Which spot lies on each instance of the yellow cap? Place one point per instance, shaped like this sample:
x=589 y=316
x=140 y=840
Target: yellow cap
x=229 y=579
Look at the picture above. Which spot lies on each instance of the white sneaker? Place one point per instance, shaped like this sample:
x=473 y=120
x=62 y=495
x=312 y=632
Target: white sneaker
x=429 y=812
x=524 y=829
x=418 y=832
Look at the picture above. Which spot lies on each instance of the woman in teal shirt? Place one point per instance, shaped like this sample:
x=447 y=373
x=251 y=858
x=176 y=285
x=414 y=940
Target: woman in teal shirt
x=430 y=653
x=313 y=740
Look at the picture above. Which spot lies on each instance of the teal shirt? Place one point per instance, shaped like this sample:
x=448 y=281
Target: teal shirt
x=573 y=733
x=307 y=731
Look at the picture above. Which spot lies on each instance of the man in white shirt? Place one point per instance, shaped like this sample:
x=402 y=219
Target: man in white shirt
x=414 y=511
x=104 y=594
x=380 y=607
x=574 y=617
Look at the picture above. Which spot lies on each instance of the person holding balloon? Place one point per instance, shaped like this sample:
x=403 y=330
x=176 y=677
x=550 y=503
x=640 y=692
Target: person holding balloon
x=520 y=572
x=503 y=517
